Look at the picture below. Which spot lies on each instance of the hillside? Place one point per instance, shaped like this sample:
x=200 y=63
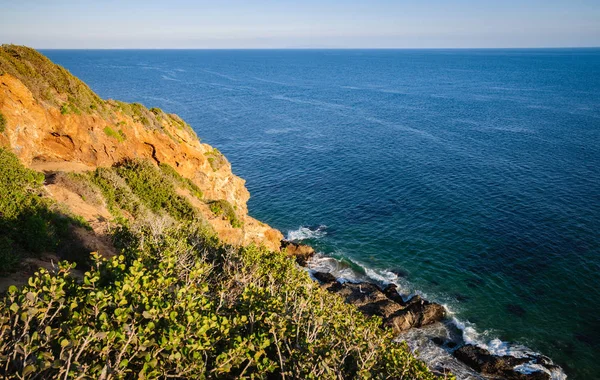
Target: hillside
x=54 y=122
x=146 y=262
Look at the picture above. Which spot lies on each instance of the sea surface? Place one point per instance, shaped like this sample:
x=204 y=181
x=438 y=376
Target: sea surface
x=471 y=177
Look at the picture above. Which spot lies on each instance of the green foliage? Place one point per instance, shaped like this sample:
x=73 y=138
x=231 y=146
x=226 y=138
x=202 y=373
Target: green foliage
x=215 y=159
x=116 y=193
x=48 y=82
x=29 y=222
x=148 y=183
x=81 y=185
x=119 y=136
x=176 y=305
x=223 y=208
x=2 y=123
x=181 y=181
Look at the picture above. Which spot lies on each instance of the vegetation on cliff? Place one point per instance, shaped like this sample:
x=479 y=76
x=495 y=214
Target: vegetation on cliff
x=29 y=222
x=174 y=301
x=177 y=303
x=54 y=85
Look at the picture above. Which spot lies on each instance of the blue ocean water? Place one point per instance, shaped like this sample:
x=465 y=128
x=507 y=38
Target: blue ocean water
x=470 y=176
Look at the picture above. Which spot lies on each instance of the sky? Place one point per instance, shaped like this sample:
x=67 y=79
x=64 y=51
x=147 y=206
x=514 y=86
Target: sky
x=187 y=24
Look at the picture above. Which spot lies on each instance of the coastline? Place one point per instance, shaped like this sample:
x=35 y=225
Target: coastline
x=432 y=331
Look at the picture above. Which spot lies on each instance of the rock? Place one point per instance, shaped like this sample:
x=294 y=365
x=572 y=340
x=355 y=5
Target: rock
x=502 y=366
x=391 y=292
x=369 y=298
x=300 y=251
x=324 y=278
x=437 y=340
x=418 y=313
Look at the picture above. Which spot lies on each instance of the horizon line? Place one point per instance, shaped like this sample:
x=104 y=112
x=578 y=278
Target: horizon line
x=320 y=48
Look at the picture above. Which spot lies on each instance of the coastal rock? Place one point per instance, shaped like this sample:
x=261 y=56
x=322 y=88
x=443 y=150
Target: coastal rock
x=485 y=362
x=418 y=313
x=391 y=292
x=301 y=252
x=388 y=304
x=324 y=278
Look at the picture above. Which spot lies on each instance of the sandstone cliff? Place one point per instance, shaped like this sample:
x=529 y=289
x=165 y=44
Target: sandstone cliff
x=54 y=122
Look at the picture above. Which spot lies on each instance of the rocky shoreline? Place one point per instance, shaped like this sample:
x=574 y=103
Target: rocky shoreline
x=402 y=315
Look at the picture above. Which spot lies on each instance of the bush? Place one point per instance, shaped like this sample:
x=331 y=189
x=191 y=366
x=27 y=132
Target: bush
x=215 y=159
x=117 y=194
x=46 y=80
x=81 y=185
x=223 y=208
x=29 y=222
x=176 y=305
x=181 y=181
x=119 y=136
x=2 y=123
x=158 y=194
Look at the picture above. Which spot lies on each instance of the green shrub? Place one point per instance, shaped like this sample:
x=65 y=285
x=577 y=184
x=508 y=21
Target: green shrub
x=148 y=183
x=2 y=123
x=215 y=159
x=116 y=193
x=181 y=181
x=29 y=222
x=176 y=305
x=223 y=208
x=119 y=136
x=81 y=185
x=45 y=79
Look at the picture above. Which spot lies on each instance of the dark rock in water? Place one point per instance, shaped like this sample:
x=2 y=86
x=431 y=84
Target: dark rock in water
x=501 y=366
x=301 y=252
x=516 y=310
x=451 y=344
x=368 y=298
x=399 y=272
x=324 y=278
x=418 y=313
x=388 y=304
x=391 y=292
x=437 y=340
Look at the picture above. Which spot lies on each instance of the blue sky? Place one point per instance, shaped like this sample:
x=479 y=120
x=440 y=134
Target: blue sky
x=300 y=24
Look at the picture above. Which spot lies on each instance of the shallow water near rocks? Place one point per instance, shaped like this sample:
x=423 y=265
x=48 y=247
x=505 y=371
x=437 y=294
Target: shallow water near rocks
x=473 y=173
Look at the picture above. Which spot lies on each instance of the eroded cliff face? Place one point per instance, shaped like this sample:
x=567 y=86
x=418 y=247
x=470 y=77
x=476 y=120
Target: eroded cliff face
x=48 y=137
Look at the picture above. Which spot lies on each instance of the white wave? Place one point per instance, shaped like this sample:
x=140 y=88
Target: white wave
x=420 y=339
x=500 y=348
x=304 y=233
x=169 y=78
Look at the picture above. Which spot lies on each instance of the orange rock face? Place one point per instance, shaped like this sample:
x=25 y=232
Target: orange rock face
x=45 y=138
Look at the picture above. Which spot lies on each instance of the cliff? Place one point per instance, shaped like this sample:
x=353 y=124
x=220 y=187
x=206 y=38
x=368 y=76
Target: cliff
x=181 y=282
x=54 y=122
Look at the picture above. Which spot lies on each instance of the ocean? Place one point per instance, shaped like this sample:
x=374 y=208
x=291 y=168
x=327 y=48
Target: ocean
x=471 y=177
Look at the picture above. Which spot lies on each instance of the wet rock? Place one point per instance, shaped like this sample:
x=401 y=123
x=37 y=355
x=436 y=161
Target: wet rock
x=399 y=272
x=418 y=313
x=437 y=340
x=391 y=292
x=501 y=366
x=301 y=252
x=324 y=278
